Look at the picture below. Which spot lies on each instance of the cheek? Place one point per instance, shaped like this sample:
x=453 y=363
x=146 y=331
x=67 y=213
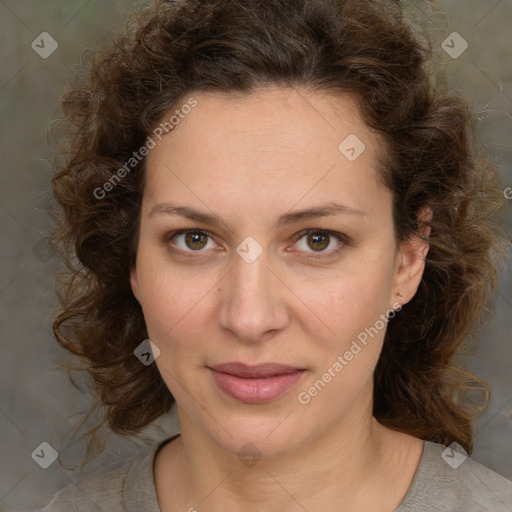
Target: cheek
x=346 y=353
x=175 y=318
x=178 y=319
x=175 y=303
x=348 y=303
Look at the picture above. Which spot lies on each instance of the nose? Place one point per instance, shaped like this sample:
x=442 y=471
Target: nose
x=253 y=301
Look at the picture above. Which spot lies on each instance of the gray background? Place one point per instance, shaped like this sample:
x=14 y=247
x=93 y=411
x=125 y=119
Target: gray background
x=37 y=401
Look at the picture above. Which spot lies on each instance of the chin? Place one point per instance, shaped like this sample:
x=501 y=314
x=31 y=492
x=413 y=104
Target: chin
x=269 y=437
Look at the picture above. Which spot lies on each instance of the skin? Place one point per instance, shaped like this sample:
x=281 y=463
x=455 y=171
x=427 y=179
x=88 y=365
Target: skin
x=249 y=159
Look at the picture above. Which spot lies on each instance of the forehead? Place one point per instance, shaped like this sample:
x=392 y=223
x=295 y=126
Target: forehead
x=271 y=114
x=271 y=138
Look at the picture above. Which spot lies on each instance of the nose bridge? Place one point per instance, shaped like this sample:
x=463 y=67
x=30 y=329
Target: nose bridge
x=251 y=304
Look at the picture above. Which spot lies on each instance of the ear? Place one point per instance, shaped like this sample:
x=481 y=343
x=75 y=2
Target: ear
x=411 y=260
x=134 y=282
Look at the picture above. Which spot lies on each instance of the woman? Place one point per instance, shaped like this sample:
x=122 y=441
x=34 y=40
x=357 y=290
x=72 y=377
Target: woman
x=277 y=195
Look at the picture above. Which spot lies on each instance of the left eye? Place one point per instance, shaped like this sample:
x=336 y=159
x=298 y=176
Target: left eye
x=318 y=241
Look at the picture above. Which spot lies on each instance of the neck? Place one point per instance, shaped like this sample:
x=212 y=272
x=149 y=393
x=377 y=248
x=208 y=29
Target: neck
x=354 y=463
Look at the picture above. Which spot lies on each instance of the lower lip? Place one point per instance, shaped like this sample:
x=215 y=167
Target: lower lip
x=256 y=390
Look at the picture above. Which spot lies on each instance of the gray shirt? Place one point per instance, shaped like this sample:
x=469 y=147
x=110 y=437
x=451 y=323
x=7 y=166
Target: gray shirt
x=445 y=480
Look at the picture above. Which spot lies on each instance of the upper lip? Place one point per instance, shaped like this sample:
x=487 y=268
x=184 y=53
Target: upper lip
x=253 y=371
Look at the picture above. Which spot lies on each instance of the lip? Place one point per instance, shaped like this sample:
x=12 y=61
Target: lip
x=255 y=384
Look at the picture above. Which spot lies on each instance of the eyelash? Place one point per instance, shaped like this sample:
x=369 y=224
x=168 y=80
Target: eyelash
x=344 y=242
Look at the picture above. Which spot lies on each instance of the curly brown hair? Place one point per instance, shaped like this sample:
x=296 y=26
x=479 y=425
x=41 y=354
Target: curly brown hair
x=365 y=48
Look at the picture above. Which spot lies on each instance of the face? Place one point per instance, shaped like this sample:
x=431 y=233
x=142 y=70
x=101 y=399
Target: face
x=265 y=238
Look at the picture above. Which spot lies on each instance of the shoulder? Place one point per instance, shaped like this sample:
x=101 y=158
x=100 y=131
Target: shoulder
x=116 y=487
x=448 y=480
x=94 y=491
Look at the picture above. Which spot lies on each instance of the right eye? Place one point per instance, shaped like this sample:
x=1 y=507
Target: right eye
x=190 y=240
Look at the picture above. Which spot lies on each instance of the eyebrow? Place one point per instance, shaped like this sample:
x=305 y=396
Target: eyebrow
x=326 y=210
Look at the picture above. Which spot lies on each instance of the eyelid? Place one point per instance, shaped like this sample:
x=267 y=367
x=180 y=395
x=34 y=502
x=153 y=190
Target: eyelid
x=343 y=239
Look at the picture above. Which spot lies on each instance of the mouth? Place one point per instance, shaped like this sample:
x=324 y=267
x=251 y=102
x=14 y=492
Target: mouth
x=255 y=384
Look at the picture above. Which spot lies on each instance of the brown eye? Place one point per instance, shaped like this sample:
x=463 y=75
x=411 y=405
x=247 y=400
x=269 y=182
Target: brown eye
x=191 y=241
x=196 y=241
x=318 y=241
